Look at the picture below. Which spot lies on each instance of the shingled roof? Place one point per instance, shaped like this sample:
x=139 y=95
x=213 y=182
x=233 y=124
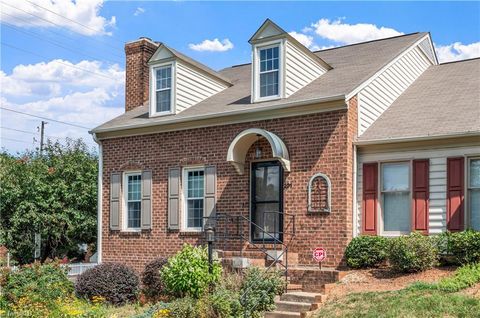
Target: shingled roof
x=352 y=65
x=443 y=101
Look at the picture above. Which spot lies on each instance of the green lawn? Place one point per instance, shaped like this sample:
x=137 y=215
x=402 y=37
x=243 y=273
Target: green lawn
x=403 y=303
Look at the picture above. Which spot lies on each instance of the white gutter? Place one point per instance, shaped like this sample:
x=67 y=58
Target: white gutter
x=99 y=199
x=354 y=193
x=415 y=138
x=225 y=114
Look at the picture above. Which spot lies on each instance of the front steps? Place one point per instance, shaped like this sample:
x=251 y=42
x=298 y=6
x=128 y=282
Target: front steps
x=296 y=304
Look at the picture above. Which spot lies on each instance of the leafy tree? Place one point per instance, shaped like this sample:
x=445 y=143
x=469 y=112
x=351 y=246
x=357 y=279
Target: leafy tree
x=53 y=193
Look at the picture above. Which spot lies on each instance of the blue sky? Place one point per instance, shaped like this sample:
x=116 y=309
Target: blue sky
x=64 y=60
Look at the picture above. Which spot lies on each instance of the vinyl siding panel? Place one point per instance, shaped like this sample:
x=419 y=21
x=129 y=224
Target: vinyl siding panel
x=437 y=180
x=300 y=69
x=378 y=95
x=427 y=49
x=193 y=86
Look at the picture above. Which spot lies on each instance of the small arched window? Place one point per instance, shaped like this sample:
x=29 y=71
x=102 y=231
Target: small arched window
x=319 y=194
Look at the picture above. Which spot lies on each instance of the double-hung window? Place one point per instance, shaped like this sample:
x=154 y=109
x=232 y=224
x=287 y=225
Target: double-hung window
x=133 y=200
x=474 y=192
x=396 y=198
x=163 y=89
x=269 y=60
x=194 y=183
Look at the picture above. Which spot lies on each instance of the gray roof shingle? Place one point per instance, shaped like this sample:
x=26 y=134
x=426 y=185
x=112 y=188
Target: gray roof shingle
x=444 y=100
x=352 y=65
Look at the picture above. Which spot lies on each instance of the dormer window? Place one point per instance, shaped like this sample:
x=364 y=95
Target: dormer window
x=269 y=71
x=163 y=89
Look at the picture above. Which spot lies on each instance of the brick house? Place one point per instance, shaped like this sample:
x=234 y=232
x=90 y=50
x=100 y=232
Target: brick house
x=295 y=150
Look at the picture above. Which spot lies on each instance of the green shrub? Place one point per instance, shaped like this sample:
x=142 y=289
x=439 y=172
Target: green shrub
x=117 y=283
x=185 y=307
x=187 y=272
x=464 y=246
x=366 y=251
x=151 y=279
x=34 y=289
x=413 y=253
x=259 y=288
x=221 y=303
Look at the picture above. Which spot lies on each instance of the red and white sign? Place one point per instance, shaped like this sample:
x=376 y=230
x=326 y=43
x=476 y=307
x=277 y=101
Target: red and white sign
x=319 y=254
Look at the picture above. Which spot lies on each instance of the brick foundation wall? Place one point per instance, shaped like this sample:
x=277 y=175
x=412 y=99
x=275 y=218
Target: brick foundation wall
x=316 y=143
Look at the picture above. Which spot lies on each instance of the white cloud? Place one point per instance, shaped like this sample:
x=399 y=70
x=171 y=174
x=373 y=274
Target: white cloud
x=57 y=91
x=457 y=51
x=139 y=11
x=212 y=45
x=86 y=12
x=306 y=40
x=345 y=33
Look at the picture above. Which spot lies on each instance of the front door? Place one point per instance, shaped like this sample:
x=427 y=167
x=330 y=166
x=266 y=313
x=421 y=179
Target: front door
x=266 y=201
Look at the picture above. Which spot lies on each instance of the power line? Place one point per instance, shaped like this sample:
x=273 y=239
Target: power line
x=55 y=32
x=57 y=61
x=63 y=17
x=16 y=140
x=31 y=133
x=41 y=117
x=61 y=26
x=73 y=50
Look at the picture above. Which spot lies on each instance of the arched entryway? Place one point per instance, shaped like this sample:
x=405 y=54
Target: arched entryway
x=266 y=182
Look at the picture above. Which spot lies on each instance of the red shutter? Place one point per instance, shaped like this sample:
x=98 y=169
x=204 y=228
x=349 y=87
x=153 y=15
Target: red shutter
x=370 y=195
x=420 y=195
x=455 y=183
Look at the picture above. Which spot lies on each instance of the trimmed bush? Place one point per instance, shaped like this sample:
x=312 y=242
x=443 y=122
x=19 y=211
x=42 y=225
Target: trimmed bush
x=151 y=279
x=187 y=272
x=366 y=251
x=464 y=246
x=413 y=253
x=117 y=283
x=259 y=289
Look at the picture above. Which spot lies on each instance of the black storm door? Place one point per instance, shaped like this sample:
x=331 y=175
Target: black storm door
x=266 y=201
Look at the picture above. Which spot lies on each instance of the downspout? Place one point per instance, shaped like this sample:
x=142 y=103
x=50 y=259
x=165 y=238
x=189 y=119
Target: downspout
x=99 y=199
x=355 y=215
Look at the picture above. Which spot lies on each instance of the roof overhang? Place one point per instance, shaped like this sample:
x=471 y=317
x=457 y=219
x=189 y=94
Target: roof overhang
x=237 y=151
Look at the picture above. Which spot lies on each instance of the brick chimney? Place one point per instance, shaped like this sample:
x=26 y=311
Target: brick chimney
x=137 y=54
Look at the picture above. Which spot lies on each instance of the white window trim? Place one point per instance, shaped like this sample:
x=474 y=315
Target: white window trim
x=153 y=89
x=184 y=218
x=380 y=198
x=256 y=72
x=467 y=207
x=125 y=227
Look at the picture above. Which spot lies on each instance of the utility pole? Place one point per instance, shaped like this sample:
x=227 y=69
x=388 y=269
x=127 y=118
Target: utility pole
x=42 y=133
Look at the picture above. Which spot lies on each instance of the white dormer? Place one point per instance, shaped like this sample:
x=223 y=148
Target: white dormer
x=280 y=64
x=177 y=82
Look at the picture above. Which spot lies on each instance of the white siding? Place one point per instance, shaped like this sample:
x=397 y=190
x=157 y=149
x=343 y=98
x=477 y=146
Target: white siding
x=193 y=86
x=378 y=95
x=300 y=69
x=427 y=49
x=438 y=179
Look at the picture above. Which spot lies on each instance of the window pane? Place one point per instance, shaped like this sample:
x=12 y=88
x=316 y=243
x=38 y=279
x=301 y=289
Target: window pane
x=475 y=209
x=195 y=184
x=475 y=173
x=134 y=214
x=396 y=212
x=269 y=222
x=164 y=78
x=267 y=187
x=194 y=212
x=134 y=187
x=395 y=177
x=163 y=100
x=269 y=84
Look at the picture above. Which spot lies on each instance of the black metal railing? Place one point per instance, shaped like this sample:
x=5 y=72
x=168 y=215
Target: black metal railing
x=231 y=230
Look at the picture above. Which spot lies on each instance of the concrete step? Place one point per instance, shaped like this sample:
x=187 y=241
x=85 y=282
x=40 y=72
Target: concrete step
x=294 y=287
x=282 y=314
x=305 y=297
x=292 y=306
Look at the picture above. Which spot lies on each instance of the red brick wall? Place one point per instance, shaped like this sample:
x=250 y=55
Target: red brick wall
x=316 y=143
x=137 y=73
